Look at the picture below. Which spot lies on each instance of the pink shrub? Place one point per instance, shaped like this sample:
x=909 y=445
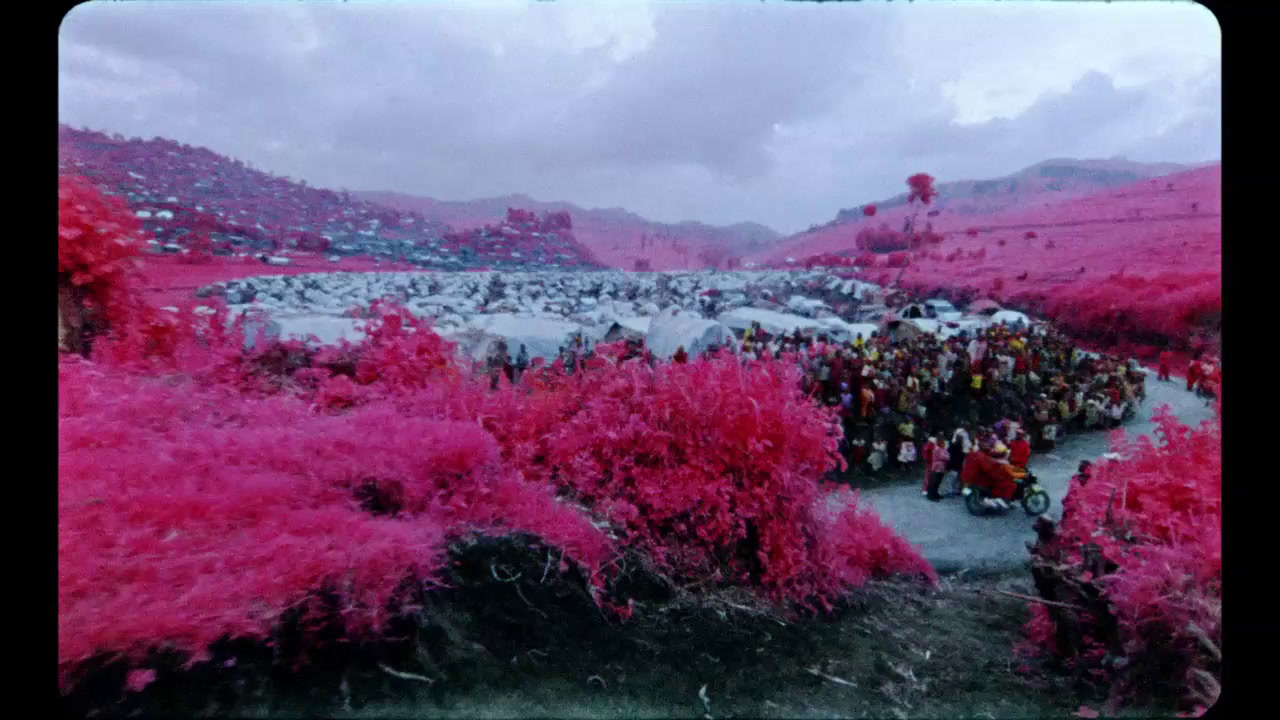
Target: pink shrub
x=220 y=513
x=881 y=240
x=898 y=260
x=869 y=210
x=99 y=246
x=712 y=480
x=922 y=188
x=1156 y=517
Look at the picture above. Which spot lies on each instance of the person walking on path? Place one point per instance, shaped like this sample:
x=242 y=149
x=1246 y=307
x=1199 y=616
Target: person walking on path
x=937 y=465
x=926 y=454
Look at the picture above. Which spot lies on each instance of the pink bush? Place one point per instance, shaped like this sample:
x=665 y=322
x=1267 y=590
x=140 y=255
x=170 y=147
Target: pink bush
x=869 y=210
x=1157 y=516
x=99 y=245
x=206 y=490
x=882 y=239
x=922 y=188
x=219 y=513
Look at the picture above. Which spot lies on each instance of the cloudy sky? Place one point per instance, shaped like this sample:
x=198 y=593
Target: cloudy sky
x=779 y=113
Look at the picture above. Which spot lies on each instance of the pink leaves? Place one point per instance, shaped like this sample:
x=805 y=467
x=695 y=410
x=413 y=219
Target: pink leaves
x=869 y=210
x=139 y=679
x=1087 y=712
x=921 y=188
x=1156 y=514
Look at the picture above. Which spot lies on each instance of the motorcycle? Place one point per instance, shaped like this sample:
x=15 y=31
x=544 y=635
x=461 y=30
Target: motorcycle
x=1028 y=491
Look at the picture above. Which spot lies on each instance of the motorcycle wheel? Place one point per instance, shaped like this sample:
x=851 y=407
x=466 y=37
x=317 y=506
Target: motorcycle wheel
x=973 y=503
x=1036 y=502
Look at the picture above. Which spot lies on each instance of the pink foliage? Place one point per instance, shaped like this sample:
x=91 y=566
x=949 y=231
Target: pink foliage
x=882 y=239
x=869 y=210
x=922 y=188
x=220 y=513
x=99 y=245
x=1176 y=254
x=1157 y=515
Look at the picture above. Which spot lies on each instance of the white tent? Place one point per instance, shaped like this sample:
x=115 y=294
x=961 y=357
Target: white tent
x=674 y=328
x=864 y=328
x=774 y=323
x=622 y=328
x=1012 y=318
x=542 y=337
x=935 y=327
x=328 y=329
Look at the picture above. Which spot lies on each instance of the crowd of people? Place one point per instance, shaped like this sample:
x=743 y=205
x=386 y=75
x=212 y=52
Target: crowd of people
x=934 y=404
x=901 y=397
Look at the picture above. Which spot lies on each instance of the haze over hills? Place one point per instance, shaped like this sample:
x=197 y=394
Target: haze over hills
x=1045 y=181
x=616 y=236
x=965 y=203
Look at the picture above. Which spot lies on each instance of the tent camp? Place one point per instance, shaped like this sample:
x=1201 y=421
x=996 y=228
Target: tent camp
x=476 y=344
x=942 y=329
x=629 y=328
x=897 y=328
x=674 y=328
x=774 y=323
x=542 y=337
x=873 y=314
x=1012 y=318
x=983 y=307
x=914 y=311
x=327 y=329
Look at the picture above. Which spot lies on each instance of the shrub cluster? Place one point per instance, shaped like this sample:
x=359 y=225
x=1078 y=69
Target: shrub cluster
x=207 y=490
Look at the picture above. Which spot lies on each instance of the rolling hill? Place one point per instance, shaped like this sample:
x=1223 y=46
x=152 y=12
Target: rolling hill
x=1137 y=265
x=615 y=236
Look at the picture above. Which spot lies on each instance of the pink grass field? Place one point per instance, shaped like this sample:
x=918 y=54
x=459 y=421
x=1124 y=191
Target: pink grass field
x=1143 y=260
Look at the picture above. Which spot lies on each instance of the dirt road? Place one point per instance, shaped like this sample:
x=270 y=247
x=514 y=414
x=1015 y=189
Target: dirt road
x=952 y=539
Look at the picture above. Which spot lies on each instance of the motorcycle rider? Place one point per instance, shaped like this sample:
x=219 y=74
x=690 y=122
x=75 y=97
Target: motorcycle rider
x=982 y=470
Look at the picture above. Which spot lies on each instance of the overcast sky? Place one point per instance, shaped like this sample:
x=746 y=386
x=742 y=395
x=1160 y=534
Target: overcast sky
x=779 y=113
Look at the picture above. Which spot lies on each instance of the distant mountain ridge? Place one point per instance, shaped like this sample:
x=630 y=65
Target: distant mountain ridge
x=617 y=236
x=1051 y=180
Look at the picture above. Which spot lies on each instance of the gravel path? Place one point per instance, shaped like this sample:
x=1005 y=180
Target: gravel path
x=953 y=540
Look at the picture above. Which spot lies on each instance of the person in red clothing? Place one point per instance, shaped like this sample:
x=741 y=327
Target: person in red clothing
x=927 y=454
x=1193 y=374
x=1166 y=365
x=868 y=400
x=983 y=471
x=681 y=356
x=1020 y=450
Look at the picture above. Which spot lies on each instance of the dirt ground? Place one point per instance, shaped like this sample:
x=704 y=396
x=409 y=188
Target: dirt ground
x=899 y=650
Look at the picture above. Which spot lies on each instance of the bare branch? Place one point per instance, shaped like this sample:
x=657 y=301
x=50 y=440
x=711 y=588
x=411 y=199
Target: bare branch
x=832 y=678
x=405 y=675
x=494 y=572
x=1032 y=598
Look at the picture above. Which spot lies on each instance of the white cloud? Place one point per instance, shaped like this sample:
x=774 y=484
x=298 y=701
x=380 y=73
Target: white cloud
x=778 y=113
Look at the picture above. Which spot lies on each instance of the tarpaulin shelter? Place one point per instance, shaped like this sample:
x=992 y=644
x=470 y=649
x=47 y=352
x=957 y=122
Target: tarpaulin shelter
x=631 y=328
x=674 y=328
x=774 y=323
x=983 y=307
x=542 y=337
